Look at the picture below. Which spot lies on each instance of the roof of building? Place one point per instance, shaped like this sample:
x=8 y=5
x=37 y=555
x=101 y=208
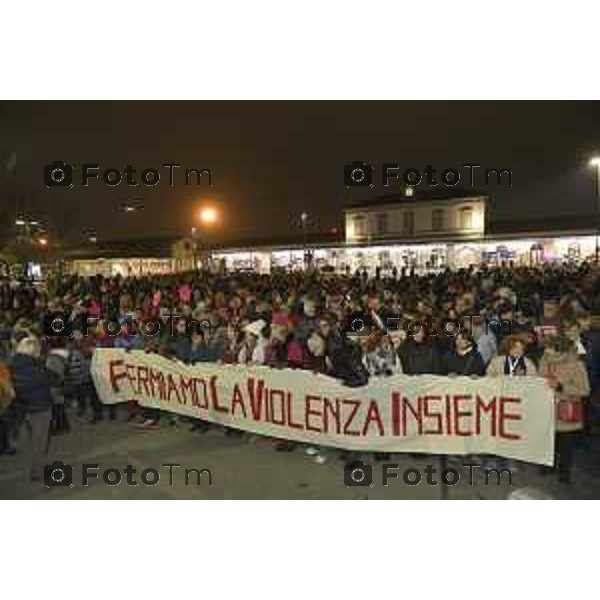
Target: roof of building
x=442 y=193
x=310 y=238
x=564 y=224
x=155 y=247
x=161 y=247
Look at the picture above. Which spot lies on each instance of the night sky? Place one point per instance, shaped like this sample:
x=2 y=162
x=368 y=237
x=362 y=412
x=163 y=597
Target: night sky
x=273 y=160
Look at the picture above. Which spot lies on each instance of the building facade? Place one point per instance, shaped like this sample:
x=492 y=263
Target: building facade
x=424 y=233
x=408 y=219
x=136 y=257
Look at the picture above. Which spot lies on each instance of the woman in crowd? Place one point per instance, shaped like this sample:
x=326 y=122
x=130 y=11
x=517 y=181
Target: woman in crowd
x=57 y=361
x=255 y=343
x=567 y=376
x=33 y=384
x=484 y=337
x=418 y=355
x=464 y=358
x=346 y=363
x=276 y=350
x=381 y=358
x=512 y=361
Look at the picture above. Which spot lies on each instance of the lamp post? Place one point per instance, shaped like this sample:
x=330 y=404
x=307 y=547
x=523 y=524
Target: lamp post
x=305 y=252
x=595 y=162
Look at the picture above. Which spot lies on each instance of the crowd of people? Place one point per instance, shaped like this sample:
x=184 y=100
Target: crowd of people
x=496 y=321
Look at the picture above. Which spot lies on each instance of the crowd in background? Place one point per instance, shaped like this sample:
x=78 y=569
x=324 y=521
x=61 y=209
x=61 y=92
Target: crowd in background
x=501 y=321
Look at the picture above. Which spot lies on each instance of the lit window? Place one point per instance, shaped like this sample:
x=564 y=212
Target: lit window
x=466 y=218
x=359 y=226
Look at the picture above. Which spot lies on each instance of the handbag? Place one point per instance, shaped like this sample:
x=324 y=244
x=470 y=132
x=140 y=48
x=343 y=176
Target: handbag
x=570 y=410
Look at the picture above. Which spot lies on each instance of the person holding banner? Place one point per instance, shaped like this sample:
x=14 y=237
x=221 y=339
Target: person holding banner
x=512 y=360
x=381 y=358
x=464 y=358
x=255 y=343
x=567 y=375
x=418 y=356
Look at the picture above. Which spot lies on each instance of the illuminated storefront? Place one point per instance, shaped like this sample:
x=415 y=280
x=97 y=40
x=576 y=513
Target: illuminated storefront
x=421 y=258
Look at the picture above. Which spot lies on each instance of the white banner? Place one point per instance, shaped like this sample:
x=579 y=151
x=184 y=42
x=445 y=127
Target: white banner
x=506 y=416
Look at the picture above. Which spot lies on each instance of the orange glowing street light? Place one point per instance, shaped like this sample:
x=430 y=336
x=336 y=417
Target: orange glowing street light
x=43 y=242
x=208 y=215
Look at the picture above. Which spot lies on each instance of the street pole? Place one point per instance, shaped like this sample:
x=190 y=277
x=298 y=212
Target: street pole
x=595 y=162
x=303 y=222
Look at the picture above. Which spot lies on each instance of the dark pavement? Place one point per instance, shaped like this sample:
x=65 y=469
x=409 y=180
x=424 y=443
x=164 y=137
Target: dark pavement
x=248 y=467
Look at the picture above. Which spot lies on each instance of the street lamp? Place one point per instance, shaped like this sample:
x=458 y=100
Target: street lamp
x=595 y=162
x=208 y=215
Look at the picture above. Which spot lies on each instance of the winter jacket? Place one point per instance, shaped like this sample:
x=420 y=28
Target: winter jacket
x=570 y=373
x=419 y=358
x=347 y=365
x=496 y=368
x=591 y=343
x=32 y=383
x=487 y=346
x=77 y=367
x=276 y=354
x=470 y=363
x=57 y=363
